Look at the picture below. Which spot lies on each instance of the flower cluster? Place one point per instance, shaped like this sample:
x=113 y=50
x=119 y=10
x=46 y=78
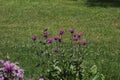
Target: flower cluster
x=61 y=32
x=75 y=37
x=10 y=71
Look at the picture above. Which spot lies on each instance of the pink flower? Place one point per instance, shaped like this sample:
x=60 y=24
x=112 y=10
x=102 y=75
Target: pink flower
x=1 y=77
x=34 y=38
x=20 y=71
x=8 y=67
x=45 y=35
x=71 y=30
x=79 y=35
x=20 y=75
x=84 y=42
x=1 y=69
x=75 y=38
x=50 y=40
x=10 y=70
x=14 y=73
x=56 y=37
x=61 y=32
x=75 y=35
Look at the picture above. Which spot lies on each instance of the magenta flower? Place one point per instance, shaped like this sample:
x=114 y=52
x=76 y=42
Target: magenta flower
x=84 y=42
x=20 y=71
x=10 y=70
x=50 y=40
x=56 y=37
x=14 y=73
x=1 y=69
x=79 y=35
x=8 y=67
x=41 y=79
x=61 y=32
x=45 y=35
x=75 y=35
x=75 y=38
x=71 y=30
x=34 y=38
x=20 y=75
x=1 y=77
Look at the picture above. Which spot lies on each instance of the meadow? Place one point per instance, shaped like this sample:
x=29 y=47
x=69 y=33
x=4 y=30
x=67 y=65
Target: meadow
x=21 y=19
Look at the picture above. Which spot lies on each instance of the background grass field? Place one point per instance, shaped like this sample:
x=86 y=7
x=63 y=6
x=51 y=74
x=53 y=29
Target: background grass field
x=20 y=19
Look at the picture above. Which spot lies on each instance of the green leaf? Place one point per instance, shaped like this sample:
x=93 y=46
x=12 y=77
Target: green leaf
x=93 y=69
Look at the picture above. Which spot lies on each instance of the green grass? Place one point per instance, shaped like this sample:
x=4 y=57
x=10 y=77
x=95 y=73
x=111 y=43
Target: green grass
x=20 y=19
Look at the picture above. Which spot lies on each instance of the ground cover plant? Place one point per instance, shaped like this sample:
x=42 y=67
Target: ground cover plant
x=19 y=19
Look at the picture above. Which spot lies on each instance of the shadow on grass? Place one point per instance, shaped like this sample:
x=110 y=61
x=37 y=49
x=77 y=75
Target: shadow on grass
x=103 y=3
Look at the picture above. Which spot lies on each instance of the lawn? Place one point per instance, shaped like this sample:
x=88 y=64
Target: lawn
x=20 y=19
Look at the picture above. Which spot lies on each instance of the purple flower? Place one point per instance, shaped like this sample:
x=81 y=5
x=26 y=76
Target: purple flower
x=20 y=75
x=34 y=38
x=20 y=71
x=56 y=50
x=56 y=37
x=14 y=73
x=71 y=30
x=45 y=35
x=84 y=42
x=75 y=35
x=75 y=38
x=8 y=67
x=1 y=77
x=50 y=40
x=79 y=35
x=61 y=32
x=1 y=61
x=10 y=70
x=1 y=69
x=41 y=79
